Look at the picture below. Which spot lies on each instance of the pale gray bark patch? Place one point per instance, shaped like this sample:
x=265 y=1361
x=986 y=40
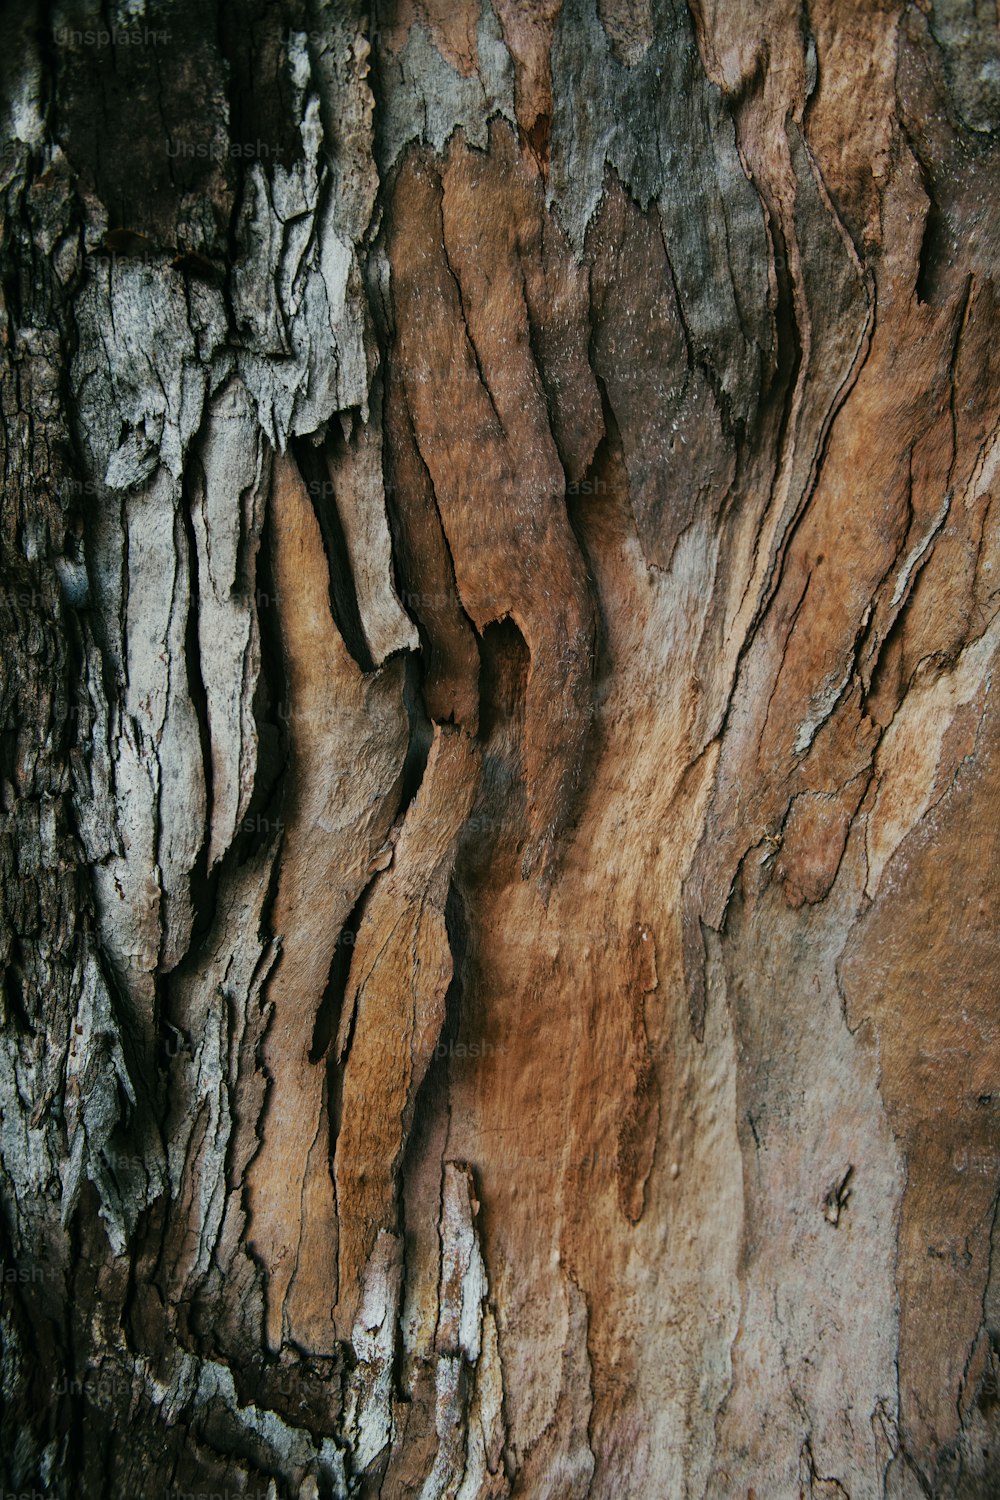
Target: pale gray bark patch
x=100 y=1097
x=810 y=1124
x=297 y=288
x=165 y=559
x=88 y=1071
x=147 y=338
x=229 y=493
x=423 y=98
x=468 y=1372
x=368 y=1413
x=158 y=778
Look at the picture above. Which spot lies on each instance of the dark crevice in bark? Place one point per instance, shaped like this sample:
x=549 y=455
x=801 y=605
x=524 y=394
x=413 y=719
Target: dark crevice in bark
x=933 y=246
x=496 y=827
x=776 y=412
x=783 y=547
x=260 y=91
x=329 y=1015
x=457 y=921
x=332 y=1004
x=960 y=326
x=409 y=582
x=505 y=660
x=534 y=344
x=538 y=138
x=343 y=595
x=204 y=883
x=271 y=709
x=71 y=1417
x=12 y=996
x=421 y=732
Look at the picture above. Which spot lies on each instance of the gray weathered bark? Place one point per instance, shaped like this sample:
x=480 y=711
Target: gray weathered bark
x=499 y=759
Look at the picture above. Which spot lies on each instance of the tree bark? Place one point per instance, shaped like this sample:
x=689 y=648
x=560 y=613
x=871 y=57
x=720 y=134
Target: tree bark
x=500 y=774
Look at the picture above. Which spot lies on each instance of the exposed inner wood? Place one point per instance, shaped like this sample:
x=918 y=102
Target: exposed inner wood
x=499 y=861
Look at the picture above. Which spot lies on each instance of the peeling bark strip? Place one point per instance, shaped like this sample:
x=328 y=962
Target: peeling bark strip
x=499 y=861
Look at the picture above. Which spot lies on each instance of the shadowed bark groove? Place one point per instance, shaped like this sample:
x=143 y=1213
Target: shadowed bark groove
x=499 y=868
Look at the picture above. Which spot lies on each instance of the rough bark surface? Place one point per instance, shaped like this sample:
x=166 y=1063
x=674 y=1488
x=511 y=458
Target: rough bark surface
x=499 y=763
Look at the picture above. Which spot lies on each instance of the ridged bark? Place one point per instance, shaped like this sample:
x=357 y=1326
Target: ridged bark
x=500 y=761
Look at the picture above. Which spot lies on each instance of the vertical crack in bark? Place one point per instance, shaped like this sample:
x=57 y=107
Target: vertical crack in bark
x=343 y=596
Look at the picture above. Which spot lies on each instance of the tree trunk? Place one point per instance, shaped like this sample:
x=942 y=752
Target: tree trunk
x=500 y=765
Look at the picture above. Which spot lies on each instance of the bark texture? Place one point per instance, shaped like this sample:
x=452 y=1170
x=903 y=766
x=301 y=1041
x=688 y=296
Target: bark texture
x=499 y=761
